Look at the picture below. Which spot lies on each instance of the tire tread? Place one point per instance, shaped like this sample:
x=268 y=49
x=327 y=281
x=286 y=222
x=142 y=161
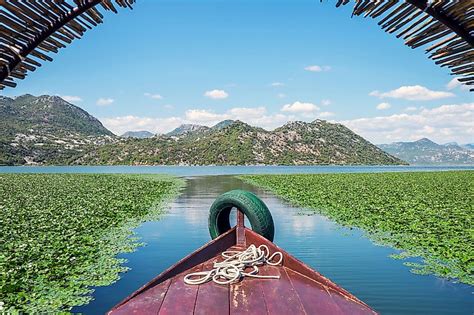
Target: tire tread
x=253 y=207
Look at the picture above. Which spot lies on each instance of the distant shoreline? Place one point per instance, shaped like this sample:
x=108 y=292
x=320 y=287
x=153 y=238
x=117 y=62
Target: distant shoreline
x=242 y=165
x=192 y=171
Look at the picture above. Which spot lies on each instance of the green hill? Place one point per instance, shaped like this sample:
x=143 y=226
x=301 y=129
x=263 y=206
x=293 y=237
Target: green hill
x=46 y=115
x=237 y=143
x=46 y=129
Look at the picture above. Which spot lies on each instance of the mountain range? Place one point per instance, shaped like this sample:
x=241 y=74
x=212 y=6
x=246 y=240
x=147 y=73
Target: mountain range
x=469 y=146
x=48 y=130
x=237 y=143
x=142 y=134
x=193 y=129
x=425 y=151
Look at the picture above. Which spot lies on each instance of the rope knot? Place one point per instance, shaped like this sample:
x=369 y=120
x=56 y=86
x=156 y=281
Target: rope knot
x=232 y=269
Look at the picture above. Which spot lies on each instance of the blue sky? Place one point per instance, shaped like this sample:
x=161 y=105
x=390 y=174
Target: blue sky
x=265 y=62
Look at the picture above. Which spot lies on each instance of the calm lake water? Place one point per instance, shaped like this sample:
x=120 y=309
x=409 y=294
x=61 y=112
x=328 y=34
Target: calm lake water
x=345 y=256
x=225 y=170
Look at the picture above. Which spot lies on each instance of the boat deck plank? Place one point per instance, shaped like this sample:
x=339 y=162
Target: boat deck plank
x=212 y=298
x=148 y=302
x=280 y=296
x=315 y=298
x=246 y=297
x=180 y=298
x=347 y=305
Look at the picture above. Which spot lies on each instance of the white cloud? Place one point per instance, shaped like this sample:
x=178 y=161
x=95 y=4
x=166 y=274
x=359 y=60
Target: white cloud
x=326 y=114
x=281 y=95
x=383 y=106
x=439 y=124
x=71 y=98
x=154 y=96
x=271 y=121
x=454 y=83
x=245 y=113
x=326 y=102
x=120 y=125
x=411 y=108
x=216 y=94
x=300 y=107
x=255 y=116
x=202 y=116
x=316 y=68
x=251 y=115
x=276 y=84
x=413 y=93
x=104 y=101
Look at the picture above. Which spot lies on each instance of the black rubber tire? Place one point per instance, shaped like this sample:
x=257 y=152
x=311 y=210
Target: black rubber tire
x=253 y=207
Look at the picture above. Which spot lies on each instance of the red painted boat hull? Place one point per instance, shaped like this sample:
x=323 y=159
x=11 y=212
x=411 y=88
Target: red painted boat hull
x=300 y=289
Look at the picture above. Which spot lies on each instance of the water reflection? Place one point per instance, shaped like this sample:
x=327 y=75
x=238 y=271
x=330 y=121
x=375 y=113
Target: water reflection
x=343 y=255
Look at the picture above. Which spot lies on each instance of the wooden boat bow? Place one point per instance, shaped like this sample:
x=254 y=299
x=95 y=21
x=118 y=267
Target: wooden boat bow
x=300 y=289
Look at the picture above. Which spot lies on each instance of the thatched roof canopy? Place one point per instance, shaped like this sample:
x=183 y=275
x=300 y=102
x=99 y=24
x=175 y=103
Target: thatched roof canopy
x=444 y=27
x=31 y=30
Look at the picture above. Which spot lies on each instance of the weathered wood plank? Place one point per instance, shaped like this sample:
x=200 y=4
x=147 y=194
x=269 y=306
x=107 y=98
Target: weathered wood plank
x=280 y=296
x=181 y=297
x=246 y=297
x=347 y=305
x=149 y=302
x=314 y=297
x=212 y=298
x=291 y=262
x=209 y=250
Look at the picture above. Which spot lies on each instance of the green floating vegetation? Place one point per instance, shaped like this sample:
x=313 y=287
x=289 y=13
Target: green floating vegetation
x=426 y=214
x=60 y=234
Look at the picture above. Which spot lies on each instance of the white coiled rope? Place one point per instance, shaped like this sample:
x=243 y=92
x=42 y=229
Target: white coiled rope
x=233 y=267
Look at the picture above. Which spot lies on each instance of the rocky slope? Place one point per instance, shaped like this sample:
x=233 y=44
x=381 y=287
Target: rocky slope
x=425 y=151
x=142 y=134
x=237 y=143
x=49 y=130
x=469 y=146
x=187 y=129
x=46 y=129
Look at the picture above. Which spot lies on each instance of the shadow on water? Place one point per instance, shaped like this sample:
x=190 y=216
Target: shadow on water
x=343 y=255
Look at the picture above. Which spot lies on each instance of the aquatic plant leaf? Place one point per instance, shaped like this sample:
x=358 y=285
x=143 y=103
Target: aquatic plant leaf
x=60 y=234
x=426 y=214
